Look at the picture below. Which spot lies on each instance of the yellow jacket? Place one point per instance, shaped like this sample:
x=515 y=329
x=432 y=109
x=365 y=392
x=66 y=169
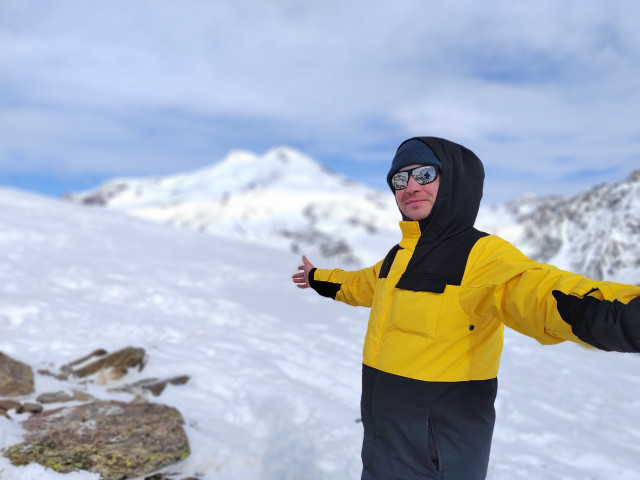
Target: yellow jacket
x=440 y=299
x=456 y=335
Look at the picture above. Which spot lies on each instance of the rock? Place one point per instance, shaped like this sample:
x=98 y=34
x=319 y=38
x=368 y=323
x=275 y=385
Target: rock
x=49 y=373
x=9 y=404
x=100 y=352
x=16 y=378
x=29 y=408
x=114 y=439
x=67 y=370
x=59 y=397
x=153 y=385
x=54 y=397
x=115 y=365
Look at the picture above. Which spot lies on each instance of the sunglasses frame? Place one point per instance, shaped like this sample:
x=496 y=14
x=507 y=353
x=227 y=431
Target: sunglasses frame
x=420 y=179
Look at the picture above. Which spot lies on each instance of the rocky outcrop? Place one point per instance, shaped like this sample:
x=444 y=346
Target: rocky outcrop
x=110 y=366
x=116 y=363
x=115 y=439
x=16 y=378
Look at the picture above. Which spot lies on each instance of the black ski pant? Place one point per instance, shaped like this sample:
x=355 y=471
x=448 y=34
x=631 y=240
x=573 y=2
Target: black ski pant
x=425 y=430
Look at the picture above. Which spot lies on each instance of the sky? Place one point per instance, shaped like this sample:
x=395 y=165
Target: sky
x=545 y=93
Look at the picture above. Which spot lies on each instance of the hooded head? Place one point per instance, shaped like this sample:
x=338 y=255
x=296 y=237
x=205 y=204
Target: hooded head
x=461 y=180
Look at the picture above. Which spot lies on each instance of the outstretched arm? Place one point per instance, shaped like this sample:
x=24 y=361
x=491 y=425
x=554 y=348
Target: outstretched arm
x=549 y=304
x=301 y=279
x=354 y=288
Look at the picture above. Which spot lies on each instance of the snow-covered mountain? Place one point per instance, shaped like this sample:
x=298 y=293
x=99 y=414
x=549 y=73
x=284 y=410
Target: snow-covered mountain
x=595 y=233
x=286 y=199
x=282 y=198
x=275 y=371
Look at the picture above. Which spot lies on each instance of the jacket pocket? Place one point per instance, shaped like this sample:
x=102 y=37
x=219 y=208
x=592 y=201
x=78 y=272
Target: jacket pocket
x=417 y=304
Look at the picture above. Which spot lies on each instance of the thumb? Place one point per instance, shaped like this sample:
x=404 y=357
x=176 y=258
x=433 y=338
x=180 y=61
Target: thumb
x=307 y=264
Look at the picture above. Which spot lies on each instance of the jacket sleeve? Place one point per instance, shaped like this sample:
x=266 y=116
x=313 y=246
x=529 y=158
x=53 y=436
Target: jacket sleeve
x=354 y=288
x=546 y=303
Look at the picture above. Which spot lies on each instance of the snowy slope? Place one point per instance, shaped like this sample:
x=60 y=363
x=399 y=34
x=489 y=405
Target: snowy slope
x=275 y=371
x=281 y=198
x=264 y=400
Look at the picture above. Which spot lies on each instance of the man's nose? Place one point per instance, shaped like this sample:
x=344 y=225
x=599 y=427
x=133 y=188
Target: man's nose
x=412 y=185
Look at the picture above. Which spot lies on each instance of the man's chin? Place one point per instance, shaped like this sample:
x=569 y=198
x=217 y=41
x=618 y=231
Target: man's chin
x=416 y=217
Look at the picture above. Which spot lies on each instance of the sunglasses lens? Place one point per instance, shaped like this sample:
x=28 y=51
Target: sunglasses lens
x=400 y=180
x=424 y=175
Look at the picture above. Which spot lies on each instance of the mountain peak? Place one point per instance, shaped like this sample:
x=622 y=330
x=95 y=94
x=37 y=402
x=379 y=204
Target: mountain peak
x=276 y=156
x=240 y=157
x=280 y=197
x=285 y=154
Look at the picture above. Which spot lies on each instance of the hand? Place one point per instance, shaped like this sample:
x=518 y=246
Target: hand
x=301 y=279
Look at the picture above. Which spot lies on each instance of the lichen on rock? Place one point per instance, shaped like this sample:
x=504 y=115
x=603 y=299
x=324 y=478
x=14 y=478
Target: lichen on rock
x=16 y=378
x=117 y=440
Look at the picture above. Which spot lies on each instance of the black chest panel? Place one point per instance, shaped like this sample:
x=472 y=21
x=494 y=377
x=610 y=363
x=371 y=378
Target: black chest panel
x=434 y=266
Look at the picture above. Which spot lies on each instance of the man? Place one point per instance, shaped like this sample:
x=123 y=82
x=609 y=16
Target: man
x=439 y=302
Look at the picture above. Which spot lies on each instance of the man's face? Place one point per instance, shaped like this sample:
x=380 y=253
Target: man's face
x=416 y=201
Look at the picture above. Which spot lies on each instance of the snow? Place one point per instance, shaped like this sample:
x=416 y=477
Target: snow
x=275 y=371
x=274 y=199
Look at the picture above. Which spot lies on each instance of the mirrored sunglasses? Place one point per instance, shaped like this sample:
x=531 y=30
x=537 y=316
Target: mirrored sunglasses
x=423 y=175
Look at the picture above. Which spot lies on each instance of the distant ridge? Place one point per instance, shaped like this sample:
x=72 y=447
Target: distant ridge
x=286 y=199
x=595 y=233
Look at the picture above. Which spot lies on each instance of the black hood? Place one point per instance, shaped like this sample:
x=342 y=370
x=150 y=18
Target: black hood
x=458 y=200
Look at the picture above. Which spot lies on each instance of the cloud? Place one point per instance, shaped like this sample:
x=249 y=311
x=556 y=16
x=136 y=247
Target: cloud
x=543 y=91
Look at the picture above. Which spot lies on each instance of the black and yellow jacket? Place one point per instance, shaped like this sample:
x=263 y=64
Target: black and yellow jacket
x=441 y=297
